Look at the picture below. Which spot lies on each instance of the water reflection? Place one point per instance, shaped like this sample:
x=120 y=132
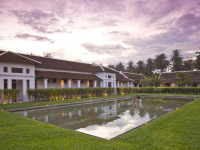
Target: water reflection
x=106 y=119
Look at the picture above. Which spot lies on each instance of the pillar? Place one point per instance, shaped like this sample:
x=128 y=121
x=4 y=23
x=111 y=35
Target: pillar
x=118 y=85
x=138 y=85
x=69 y=83
x=9 y=84
x=95 y=83
x=78 y=83
x=45 y=83
x=186 y=85
x=24 y=88
x=1 y=83
x=172 y=85
x=46 y=119
x=128 y=84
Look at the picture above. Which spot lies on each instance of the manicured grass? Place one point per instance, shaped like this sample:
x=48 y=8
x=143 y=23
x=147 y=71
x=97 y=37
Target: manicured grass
x=44 y=103
x=176 y=130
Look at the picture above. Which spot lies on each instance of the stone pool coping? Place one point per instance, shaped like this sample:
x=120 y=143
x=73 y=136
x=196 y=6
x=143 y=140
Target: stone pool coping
x=91 y=102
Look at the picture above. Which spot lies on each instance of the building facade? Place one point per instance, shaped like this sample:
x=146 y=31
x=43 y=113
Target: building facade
x=170 y=79
x=20 y=71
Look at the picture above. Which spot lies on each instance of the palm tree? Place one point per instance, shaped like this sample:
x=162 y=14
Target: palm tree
x=177 y=60
x=161 y=62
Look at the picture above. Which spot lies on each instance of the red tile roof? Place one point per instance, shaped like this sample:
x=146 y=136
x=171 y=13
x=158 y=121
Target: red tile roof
x=170 y=77
x=13 y=57
x=134 y=76
x=52 y=63
x=65 y=75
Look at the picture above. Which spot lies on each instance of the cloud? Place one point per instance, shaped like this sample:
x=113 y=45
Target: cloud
x=38 y=20
x=104 y=49
x=34 y=37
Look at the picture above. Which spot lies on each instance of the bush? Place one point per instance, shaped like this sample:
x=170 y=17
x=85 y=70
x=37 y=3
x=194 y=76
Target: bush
x=67 y=93
x=162 y=90
x=8 y=95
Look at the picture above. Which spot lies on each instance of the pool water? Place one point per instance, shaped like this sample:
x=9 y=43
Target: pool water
x=107 y=119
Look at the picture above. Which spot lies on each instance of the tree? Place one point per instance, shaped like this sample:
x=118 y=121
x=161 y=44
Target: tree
x=161 y=62
x=150 y=66
x=111 y=66
x=188 y=65
x=130 y=67
x=185 y=79
x=146 y=82
x=48 y=54
x=177 y=60
x=120 y=67
x=140 y=67
x=156 y=80
x=197 y=61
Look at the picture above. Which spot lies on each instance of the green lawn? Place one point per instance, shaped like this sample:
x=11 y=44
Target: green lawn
x=176 y=130
x=44 y=103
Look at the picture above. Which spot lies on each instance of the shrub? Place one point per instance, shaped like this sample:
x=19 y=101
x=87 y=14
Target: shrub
x=67 y=93
x=8 y=95
x=163 y=90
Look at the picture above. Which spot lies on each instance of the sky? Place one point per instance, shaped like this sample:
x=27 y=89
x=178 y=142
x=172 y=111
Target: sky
x=100 y=31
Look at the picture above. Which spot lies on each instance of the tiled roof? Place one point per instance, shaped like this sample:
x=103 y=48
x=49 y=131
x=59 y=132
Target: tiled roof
x=52 y=63
x=120 y=77
x=170 y=77
x=13 y=57
x=134 y=76
x=65 y=75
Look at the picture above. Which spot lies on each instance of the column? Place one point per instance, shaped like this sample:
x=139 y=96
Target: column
x=138 y=85
x=95 y=83
x=78 y=83
x=128 y=84
x=118 y=85
x=46 y=119
x=1 y=83
x=172 y=85
x=106 y=84
x=9 y=84
x=25 y=97
x=45 y=83
x=32 y=83
x=69 y=83
x=186 y=85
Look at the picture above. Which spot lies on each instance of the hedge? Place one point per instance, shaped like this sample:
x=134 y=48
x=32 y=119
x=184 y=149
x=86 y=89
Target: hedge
x=67 y=93
x=8 y=95
x=163 y=90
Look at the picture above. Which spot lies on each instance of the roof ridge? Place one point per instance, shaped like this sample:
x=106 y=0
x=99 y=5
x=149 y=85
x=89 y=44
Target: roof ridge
x=4 y=53
x=181 y=71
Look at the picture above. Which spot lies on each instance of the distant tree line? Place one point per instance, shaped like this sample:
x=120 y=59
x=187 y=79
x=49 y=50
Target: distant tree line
x=159 y=62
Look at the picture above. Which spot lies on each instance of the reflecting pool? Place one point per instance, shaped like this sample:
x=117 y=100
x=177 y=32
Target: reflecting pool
x=107 y=119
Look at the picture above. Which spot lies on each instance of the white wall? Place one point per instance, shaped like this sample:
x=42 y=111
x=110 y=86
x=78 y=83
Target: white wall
x=74 y=84
x=104 y=77
x=23 y=77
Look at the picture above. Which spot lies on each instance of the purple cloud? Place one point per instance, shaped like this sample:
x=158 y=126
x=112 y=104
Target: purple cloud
x=34 y=37
x=38 y=20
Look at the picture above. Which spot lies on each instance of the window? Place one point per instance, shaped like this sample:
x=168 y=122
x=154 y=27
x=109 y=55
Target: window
x=90 y=83
x=5 y=83
x=109 y=76
x=27 y=71
x=17 y=70
x=14 y=84
x=106 y=76
x=82 y=81
x=65 y=80
x=54 y=80
x=27 y=84
x=5 y=69
x=48 y=80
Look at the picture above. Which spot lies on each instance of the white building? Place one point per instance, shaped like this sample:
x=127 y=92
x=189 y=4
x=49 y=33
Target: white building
x=20 y=71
